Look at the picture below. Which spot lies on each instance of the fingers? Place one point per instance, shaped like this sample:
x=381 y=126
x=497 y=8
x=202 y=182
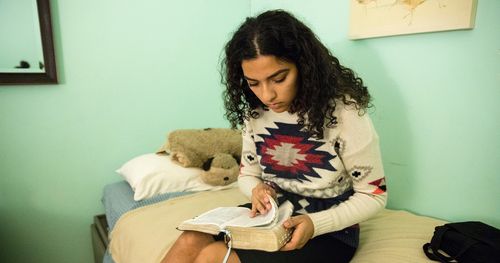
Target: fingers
x=290 y=222
x=261 y=202
x=258 y=208
x=291 y=245
x=303 y=231
x=294 y=242
x=261 y=206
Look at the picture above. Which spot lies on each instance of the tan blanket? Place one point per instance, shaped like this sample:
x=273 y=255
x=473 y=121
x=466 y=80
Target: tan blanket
x=395 y=236
x=145 y=234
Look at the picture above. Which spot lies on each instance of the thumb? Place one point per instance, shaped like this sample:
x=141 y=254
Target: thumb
x=291 y=222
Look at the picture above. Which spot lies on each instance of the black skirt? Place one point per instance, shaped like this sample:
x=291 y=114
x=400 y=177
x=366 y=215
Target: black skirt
x=324 y=248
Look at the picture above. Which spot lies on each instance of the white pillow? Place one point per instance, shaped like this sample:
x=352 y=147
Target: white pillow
x=153 y=174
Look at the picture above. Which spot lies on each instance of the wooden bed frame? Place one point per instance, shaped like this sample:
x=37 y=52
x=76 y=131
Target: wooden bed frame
x=100 y=241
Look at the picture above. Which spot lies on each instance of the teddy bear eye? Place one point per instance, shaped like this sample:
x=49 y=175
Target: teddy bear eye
x=207 y=164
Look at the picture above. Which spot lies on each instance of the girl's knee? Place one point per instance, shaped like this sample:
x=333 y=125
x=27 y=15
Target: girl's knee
x=187 y=246
x=194 y=239
x=215 y=252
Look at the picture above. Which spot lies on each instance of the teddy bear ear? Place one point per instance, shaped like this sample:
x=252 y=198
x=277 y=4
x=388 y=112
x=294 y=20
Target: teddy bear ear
x=207 y=164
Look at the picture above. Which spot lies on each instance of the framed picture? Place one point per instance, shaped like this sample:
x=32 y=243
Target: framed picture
x=377 y=18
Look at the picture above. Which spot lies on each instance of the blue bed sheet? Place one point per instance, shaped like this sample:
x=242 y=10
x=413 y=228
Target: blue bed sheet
x=118 y=198
x=107 y=258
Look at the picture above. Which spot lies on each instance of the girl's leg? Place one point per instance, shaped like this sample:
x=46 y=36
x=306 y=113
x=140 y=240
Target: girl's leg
x=215 y=252
x=187 y=247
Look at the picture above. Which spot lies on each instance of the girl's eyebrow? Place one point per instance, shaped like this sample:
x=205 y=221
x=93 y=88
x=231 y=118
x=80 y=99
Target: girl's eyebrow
x=271 y=76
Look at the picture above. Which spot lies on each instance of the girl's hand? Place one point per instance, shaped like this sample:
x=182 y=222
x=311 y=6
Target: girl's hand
x=304 y=230
x=260 y=199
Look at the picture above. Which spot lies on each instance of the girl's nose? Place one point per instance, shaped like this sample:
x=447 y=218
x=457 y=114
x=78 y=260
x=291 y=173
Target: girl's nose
x=268 y=93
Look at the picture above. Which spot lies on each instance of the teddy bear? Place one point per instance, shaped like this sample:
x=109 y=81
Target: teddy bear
x=216 y=150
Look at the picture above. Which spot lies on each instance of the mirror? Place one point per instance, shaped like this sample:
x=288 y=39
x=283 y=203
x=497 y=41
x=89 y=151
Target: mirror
x=27 y=55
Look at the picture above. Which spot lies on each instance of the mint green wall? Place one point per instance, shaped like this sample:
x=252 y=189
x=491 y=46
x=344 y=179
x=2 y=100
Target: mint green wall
x=130 y=72
x=437 y=114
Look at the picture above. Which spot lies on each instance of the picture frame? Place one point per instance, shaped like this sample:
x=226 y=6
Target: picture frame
x=378 y=18
x=48 y=74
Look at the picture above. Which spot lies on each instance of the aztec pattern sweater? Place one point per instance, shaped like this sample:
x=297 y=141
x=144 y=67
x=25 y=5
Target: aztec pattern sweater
x=345 y=166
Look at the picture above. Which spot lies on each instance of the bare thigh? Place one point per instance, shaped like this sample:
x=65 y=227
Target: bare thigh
x=215 y=252
x=187 y=247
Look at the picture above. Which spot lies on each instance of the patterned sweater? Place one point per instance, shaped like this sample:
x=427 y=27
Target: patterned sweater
x=345 y=163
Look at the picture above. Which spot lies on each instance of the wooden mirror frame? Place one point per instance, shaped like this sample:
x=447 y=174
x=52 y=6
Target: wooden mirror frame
x=50 y=74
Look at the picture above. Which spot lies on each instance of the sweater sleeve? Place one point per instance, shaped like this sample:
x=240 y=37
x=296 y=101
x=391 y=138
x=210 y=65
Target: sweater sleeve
x=360 y=153
x=250 y=170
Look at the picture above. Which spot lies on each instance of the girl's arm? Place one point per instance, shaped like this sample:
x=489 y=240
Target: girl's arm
x=360 y=154
x=249 y=180
x=250 y=170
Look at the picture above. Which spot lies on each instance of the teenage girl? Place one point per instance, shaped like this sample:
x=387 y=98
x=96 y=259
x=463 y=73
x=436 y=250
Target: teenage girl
x=306 y=138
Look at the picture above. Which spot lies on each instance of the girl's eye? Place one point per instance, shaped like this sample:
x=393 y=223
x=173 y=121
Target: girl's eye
x=250 y=84
x=280 y=80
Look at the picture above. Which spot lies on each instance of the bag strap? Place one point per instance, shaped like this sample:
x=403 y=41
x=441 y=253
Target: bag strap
x=431 y=249
x=435 y=255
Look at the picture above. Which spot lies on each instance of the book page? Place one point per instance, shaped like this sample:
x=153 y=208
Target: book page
x=285 y=211
x=219 y=216
x=259 y=220
x=236 y=216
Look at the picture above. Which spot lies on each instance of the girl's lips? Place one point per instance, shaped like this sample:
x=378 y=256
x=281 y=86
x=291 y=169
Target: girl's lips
x=274 y=105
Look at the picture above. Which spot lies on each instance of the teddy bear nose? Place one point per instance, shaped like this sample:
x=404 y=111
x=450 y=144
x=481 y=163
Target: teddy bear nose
x=226 y=178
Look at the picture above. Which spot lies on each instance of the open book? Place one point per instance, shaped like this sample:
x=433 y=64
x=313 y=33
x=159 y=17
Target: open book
x=262 y=232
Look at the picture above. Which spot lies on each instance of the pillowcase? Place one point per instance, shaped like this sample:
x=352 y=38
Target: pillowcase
x=153 y=174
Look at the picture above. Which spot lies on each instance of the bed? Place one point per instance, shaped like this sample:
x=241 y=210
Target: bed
x=118 y=199
x=142 y=231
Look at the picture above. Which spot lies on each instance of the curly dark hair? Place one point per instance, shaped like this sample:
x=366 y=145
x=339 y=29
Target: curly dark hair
x=321 y=78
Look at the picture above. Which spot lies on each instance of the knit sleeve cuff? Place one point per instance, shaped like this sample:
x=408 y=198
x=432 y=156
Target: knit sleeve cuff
x=323 y=223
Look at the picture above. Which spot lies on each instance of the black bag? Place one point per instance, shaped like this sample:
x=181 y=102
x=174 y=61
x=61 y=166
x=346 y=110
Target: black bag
x=464 y=242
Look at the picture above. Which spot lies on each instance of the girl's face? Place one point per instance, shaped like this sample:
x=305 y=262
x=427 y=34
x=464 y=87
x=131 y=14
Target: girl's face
x=272 y=80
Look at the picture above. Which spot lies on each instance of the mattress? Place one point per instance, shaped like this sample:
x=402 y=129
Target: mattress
x=145 y=234
x=118 y=199
x=391 y=236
